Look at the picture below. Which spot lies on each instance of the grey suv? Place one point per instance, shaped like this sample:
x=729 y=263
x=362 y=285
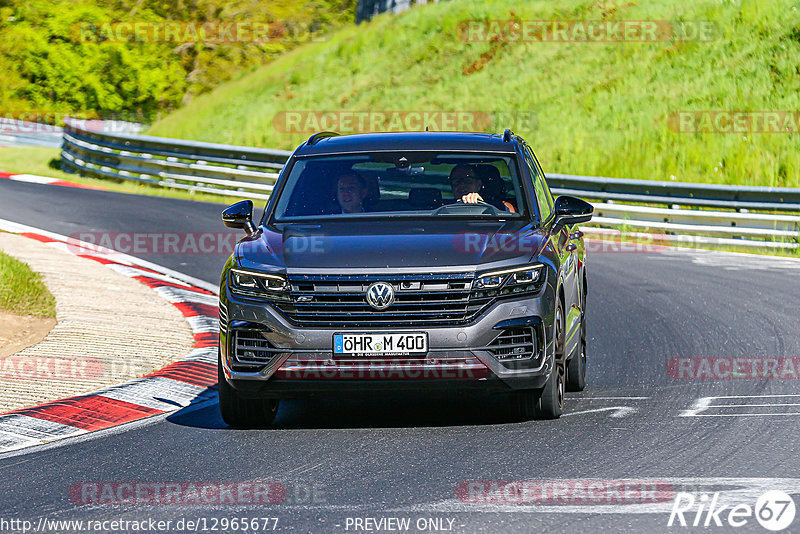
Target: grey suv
x=406 y=262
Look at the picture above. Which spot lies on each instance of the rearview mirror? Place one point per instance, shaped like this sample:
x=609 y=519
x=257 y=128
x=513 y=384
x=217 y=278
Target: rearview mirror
x=571 y=210
x=240 y=215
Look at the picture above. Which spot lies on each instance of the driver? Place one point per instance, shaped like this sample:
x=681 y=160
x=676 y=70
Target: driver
x=351 y=190
x=465 y=183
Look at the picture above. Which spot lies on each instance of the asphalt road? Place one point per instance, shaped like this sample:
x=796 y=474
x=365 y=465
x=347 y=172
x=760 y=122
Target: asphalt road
x=357 y=459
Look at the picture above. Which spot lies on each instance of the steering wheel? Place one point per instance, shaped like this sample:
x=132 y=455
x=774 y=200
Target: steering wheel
x=459 y=206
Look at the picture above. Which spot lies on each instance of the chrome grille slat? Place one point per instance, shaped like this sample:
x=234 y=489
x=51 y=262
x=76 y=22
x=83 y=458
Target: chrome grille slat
x=400 y=295
x=340 y=300
x=314 y=305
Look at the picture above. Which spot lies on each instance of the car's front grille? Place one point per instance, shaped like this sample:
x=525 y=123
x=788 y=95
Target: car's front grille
x=514 y=344
x=250 y=347
x=420 y=299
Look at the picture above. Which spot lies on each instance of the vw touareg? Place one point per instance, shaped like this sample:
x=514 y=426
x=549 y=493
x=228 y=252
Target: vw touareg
x=405 y=261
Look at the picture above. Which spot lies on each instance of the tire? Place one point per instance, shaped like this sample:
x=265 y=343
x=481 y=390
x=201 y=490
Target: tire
x=522 y=404
x=551 y=401
x=240 y=412
x=576 y=368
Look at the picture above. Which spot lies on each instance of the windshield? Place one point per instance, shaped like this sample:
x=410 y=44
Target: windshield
x=384 y=184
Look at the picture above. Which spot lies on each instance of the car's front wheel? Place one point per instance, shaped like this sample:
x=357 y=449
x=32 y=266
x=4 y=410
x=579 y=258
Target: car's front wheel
x=240 y=412
x=548 y=402
x=551 y=401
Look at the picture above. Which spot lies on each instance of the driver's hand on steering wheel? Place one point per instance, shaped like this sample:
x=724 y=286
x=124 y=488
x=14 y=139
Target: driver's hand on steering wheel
x=471 y=198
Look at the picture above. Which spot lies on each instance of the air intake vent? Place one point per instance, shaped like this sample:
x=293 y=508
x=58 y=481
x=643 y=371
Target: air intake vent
x=514 y=344
x=250 y=347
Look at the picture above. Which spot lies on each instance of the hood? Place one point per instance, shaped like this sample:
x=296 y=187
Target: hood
x=392 y=244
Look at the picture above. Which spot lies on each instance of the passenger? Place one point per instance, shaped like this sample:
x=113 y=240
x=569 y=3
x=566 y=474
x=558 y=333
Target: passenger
x=351 y=190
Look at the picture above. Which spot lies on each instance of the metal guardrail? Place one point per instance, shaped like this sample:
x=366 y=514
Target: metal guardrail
x=251 y=172
x=191 y=165
x=681 y=193
x=15 y=132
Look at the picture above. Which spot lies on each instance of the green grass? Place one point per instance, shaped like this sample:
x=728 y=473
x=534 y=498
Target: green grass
x=39 y=161
x=600 y=108
x=22 y=291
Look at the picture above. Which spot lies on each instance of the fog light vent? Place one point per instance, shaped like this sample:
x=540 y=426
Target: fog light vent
x=514 y=344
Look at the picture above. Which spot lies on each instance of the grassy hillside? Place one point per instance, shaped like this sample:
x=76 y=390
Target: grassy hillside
x=600 y=108
x=22 y=291
x=57 y=56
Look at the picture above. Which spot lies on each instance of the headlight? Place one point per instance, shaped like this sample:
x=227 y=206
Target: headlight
x=253 y=284
x=527 y=274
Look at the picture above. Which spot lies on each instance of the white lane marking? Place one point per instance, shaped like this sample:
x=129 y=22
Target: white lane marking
x=114 y=430
x=746 y=490
x=76 y=247
x=132 y=272
x=205 y=354
x=731 y=260
x=201 y=324
x=33 y=427
x=156 y=392
x=767 y=414
x=618 y=411
x=773 y=404
x=174 y=294
x=77 y=250
x=11 y=441
x=611 y=398
x=19 y=431
x=32 y=178
x=704 y=404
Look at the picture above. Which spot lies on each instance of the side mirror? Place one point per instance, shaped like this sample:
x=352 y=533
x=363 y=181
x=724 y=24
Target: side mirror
x=240 y=215
x=571 y=210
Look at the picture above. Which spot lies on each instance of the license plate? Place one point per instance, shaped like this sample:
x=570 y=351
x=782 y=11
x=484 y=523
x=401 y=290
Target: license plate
x=380 y=344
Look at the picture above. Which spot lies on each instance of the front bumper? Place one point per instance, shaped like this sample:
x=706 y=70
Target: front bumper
x=458 y=358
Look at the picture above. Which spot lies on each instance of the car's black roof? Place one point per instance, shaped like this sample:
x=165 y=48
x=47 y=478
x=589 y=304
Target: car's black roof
x=371 y=142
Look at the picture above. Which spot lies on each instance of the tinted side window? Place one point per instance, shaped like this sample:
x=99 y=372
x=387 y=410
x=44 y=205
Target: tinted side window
x=543 y=199
x=546 y=187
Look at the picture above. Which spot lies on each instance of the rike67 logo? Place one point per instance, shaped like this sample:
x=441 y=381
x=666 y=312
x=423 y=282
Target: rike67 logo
x=774 y=510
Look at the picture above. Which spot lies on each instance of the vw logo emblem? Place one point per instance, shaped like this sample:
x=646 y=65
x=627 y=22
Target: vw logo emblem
x=380 y=295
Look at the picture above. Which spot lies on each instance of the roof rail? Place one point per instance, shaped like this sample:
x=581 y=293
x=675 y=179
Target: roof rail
x=507 y=135
x=319 y=136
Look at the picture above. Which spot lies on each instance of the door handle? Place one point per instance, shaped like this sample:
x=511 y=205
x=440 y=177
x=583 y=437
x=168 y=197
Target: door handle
x=571 y=247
